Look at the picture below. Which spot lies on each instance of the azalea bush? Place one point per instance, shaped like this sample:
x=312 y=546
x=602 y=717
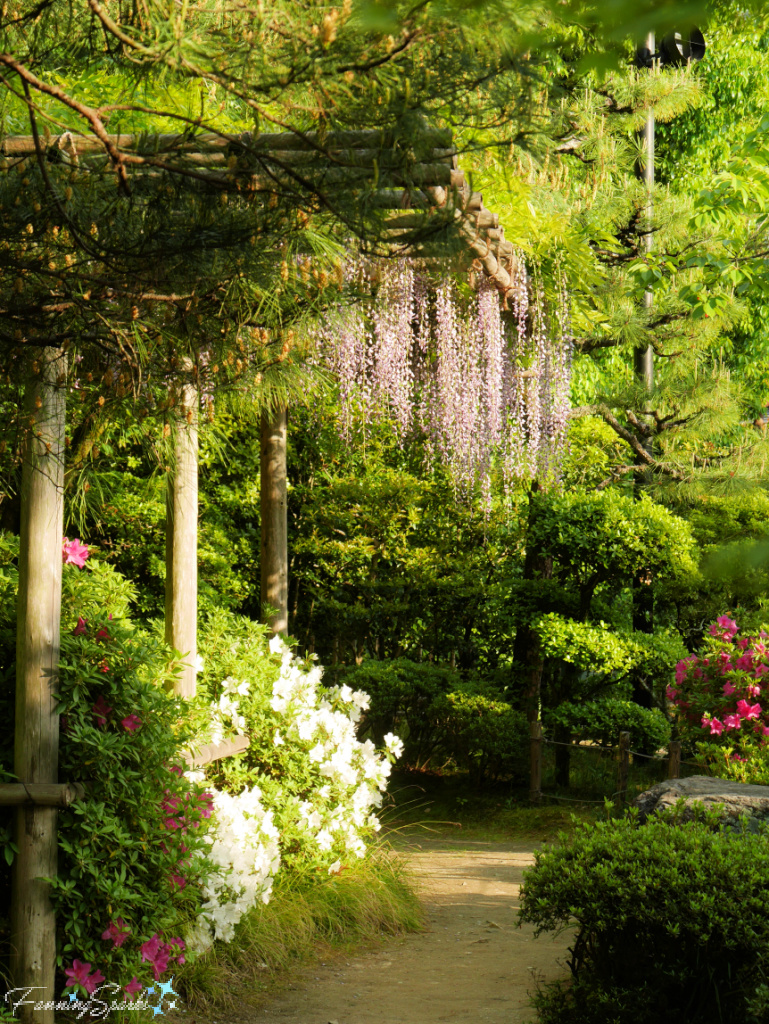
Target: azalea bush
x=719 y=702
x=133 y=853
x=156 y=862
x=308 y=785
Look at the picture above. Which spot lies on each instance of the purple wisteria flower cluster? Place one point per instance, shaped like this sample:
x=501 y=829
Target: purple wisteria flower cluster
x=480 y=392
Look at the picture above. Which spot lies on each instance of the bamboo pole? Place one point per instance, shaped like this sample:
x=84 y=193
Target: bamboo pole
x=274 y=528
x=41 y=794
x=33 y=925
x=182 y=542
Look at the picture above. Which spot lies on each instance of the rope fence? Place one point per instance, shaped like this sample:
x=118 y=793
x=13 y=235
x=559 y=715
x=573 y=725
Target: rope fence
x=617 y=772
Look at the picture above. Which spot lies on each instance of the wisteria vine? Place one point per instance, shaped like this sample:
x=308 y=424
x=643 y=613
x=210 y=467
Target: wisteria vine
x=482 y=389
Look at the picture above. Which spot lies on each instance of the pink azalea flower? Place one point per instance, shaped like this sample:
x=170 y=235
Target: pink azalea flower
x=748 y=710
x=745 y=662
x=178 y=880
x=205 y=802
x=80 y=628
x=759 y=649
x=77 y=973
x=753 y=689
x=151 y=948
x=761 y=670
x=176 y=769
x=131 y=723
x=728 y=625
x=74 y=553
x=671 y=692
x=732 y=721
x=117 y=932
x=133 y=986
x=736 y=757
x=103 y=634
x=92 y=983
x=101 y=709
x=765 y=730
x=716 y=727
x=728 y=689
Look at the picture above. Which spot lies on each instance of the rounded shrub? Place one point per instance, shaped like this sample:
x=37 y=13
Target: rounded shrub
x=671 y=923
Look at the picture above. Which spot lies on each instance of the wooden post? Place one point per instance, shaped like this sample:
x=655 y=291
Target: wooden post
x=33 y=925
x=274 y=510
x=182 y=541
x=624 y=766
x=674 y=759
x=535 y=778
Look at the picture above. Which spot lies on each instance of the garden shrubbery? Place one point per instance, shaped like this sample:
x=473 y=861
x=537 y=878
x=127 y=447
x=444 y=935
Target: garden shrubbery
x=156 y=862
x=671 y=923
x=603 y=720
x=443 y=718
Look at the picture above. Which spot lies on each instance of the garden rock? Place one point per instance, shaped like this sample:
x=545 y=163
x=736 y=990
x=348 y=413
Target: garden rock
x=737 y=798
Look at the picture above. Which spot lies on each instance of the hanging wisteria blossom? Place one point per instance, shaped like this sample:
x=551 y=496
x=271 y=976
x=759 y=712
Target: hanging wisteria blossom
x=482 y=390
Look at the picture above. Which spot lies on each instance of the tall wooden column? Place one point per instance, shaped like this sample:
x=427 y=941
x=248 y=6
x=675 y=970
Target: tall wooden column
x=33 y=925
x=274 y=538
x=182 y=542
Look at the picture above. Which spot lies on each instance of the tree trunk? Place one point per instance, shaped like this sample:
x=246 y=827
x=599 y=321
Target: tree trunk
x=527 y=649
x=274 y=504
x=33 y=925
x=182 y=543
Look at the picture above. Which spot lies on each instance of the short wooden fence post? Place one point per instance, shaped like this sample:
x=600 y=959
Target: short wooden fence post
x=535 y=783
x=674 y=759
x=624 y=766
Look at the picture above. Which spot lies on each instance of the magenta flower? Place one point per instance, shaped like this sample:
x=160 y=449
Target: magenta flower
x=178 y=880
x=716 y=727
x=748 y=710
x=80 y=628
x=92 y=983
x=133 y=987
x=753 y=689
x=77 y=973
x=74 y=553
x=745 y=662
x=131 y=723
x=150 y=949
x=728 y=689
x=670 y=692
x=101 y=709
x=205 y=803
x=117 y=932
x=732 y=721
x=728 y=625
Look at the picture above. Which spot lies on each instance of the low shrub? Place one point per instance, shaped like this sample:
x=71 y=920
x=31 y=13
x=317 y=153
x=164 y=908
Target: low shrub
x=442 y=718
x=671 y=922
x=603 y=720
x=483 y=736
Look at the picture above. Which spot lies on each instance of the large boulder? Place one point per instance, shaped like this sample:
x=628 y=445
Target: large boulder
x=737 y=798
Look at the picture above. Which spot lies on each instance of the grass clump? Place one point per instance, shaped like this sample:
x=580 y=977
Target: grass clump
x=309 y=915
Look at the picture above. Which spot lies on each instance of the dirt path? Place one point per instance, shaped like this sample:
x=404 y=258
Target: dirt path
x=471 y=964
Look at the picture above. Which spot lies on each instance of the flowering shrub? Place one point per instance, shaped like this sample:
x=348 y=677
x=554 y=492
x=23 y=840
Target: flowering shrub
x=306 y=789
x=132 y=853
x=152 y=861
x=718 y=698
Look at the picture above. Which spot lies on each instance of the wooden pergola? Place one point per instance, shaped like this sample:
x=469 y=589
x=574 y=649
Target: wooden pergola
x=420 y=194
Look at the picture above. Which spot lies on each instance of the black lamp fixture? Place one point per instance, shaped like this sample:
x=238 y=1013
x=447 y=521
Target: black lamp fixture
x=676 y=50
